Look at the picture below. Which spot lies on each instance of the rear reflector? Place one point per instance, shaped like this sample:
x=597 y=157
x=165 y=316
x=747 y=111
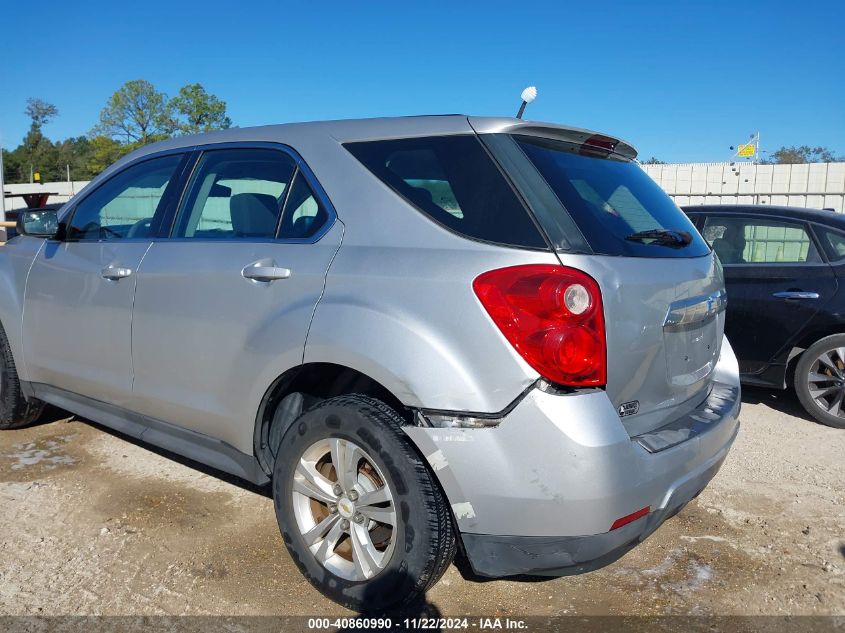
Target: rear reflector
x=618 y=523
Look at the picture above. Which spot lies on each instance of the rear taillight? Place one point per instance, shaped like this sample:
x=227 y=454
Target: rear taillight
x=553 y=317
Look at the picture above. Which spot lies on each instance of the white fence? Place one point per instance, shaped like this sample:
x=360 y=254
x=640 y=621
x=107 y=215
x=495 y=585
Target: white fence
x=813 y=185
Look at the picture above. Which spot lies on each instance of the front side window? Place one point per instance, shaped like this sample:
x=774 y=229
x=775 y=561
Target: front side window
x=759 y=241
x=125 y=205
x=452 y=180
x=235 y=194
x=618 y=208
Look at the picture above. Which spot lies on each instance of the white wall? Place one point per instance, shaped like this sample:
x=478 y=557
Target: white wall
x=64 y=190
x=814 y=185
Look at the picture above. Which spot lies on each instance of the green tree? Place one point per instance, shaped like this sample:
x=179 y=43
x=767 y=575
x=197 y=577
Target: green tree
x=136 y=113
x=40 y=111
x=36 y=153
x=195 y=111
x=103 y=151
x=802 y=154
x=654 y=161
x=74 y=155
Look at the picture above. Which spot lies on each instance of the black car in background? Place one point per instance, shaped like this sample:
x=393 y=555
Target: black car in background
x=785 y=276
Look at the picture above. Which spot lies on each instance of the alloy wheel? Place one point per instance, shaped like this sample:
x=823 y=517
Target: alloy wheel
x=826 y=381
x=344 y=509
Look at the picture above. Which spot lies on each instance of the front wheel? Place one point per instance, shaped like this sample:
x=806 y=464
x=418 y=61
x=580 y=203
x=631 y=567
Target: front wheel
x=15 y=410
x=359 y=511
x=820 y=380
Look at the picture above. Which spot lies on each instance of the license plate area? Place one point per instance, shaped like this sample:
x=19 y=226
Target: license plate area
x=691 y=352
x=691 y=338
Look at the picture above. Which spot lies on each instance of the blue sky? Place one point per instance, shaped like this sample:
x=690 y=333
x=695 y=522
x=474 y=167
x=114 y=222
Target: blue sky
x=681 y=81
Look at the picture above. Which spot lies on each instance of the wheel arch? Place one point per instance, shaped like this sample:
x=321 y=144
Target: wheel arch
x=310 y=383
x=807 y=339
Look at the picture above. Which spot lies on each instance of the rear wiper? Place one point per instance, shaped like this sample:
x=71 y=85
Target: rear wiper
x=662 y=237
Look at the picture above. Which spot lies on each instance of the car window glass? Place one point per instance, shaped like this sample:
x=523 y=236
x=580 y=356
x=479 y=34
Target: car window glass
x=834 y=243
x=235 y=194
x=124 y=206
x=614 y=203
x=304 y=215
x=759 y=241
x=452 y=180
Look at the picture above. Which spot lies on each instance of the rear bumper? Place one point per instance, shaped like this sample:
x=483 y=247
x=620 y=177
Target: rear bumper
x=496 y=556
x=538 y=494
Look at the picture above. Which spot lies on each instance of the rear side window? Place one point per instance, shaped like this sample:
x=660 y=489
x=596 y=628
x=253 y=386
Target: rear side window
x=235 y=194
x=304 y=213
x=759 y=241
x=453 y=181
x=619 y=209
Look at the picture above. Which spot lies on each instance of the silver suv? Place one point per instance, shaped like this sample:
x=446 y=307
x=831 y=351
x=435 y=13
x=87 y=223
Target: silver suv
x=426 y=333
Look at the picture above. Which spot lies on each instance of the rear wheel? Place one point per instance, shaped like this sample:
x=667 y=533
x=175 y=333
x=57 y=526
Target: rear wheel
x=820 y=380
x=15 y=410
x=358 y=509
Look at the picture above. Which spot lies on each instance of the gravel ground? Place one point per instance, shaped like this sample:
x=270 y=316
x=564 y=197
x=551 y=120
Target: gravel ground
x=95 y=525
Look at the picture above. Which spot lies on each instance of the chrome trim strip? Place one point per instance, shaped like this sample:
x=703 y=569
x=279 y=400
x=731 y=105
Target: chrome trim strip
x=696 y=309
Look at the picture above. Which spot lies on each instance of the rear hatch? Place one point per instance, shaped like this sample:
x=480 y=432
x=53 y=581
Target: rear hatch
x=662 y=289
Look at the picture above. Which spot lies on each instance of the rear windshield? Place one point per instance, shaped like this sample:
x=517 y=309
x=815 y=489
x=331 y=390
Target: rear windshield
x=615 y=204
x=454 y=182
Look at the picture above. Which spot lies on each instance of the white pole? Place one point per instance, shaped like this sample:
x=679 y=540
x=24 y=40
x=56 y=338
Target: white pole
x=2 y=196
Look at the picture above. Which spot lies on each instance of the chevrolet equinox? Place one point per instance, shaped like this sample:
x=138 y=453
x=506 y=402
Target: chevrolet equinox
x=426 y=333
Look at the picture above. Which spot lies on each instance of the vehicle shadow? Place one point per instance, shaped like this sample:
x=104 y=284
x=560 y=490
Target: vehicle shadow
x=421 y=614
x=781 y=400
x=463 y=566
x=49 y=415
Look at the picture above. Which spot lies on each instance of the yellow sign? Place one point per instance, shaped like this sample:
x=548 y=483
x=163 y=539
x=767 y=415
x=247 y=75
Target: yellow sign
x=746 y=151
x=37 y=176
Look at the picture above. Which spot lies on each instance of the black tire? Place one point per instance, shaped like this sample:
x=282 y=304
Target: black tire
x=806 y=365
x=424 y=541
x=15 y=410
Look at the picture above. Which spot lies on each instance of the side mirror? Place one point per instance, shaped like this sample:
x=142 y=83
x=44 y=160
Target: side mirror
x=39 y=223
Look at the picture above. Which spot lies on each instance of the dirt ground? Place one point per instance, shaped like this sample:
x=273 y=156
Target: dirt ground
x=93 y=524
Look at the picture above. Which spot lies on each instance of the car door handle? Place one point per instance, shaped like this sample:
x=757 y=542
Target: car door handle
x=796 y=294
x=260 y=271
x=116 y=273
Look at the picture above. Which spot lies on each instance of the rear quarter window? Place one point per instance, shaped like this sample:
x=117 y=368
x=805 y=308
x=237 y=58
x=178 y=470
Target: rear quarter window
x=833 y=242
x=453 y=181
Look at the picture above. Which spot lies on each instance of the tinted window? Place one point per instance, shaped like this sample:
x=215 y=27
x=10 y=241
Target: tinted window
x=612 y=200
x=235 y=194
x=304 y=214
x=124 y=206
x=834 y=243
x=750 y=241
x=453 y=181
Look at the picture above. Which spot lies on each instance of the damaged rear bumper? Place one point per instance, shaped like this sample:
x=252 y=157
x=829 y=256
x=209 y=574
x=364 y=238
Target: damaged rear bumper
x=496 y=556
x=540 y=492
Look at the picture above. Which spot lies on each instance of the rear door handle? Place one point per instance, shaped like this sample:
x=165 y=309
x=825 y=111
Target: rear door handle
x=264 y=271
x=796 y=294
x=115 y=273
